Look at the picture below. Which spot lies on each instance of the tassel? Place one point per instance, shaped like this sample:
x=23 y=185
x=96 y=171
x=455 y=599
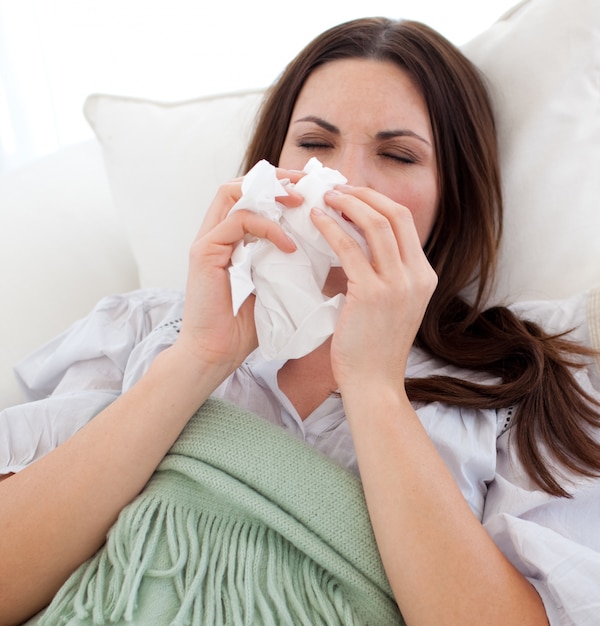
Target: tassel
x=226 y=534
x=216 y=570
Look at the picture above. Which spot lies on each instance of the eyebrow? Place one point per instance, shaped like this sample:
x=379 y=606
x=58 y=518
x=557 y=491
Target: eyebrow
x=381 y=135
x=320 y=122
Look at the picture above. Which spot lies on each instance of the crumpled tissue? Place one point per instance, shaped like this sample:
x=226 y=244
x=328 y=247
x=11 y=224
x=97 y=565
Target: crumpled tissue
x=291 y=314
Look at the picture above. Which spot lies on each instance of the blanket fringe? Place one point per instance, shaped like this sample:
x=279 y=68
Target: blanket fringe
x=223 y=569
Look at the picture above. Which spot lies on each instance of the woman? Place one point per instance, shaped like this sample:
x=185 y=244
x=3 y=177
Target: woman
x=426 y=378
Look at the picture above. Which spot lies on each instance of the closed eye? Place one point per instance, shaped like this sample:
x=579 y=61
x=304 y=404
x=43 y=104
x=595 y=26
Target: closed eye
x=313 y=145
x=400 y=158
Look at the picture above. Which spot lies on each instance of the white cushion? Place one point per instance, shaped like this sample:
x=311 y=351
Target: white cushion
x=61 y=249
x=543 y=64
x=165 y=163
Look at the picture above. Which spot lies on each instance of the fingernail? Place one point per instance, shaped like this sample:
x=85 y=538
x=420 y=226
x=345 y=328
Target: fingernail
x=316 y=211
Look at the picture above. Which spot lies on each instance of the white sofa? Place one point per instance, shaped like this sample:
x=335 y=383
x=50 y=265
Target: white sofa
x=118 y=212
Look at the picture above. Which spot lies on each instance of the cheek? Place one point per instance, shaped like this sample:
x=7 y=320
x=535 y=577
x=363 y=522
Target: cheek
x=425 y=213
x=291 y=159
x=422 y=201
x=424 y=222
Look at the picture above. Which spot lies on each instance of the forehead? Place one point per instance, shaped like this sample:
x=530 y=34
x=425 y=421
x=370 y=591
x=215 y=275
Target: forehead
x=363 y=90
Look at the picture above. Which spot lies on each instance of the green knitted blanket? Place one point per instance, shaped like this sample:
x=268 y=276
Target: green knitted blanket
x=241 y=524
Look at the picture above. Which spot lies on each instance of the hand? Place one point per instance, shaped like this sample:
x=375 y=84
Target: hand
x=386 y=296
x=210 y=332
x=230 y=192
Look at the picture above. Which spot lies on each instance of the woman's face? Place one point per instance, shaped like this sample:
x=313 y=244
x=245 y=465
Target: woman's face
x=366 y=119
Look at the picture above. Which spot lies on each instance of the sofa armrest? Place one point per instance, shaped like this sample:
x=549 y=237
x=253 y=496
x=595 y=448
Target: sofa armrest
x=62 y=248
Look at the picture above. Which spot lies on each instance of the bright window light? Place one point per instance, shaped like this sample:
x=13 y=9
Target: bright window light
x=54 y=53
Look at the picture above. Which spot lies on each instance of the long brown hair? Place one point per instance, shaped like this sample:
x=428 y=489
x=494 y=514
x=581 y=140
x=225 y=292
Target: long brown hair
x=553 y=413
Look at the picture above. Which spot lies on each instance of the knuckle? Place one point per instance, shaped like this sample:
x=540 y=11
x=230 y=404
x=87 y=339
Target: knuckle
x=404 y=214
x=347 y=243
x=429 y=280
x=231 y=189
x=196 y=252
x=240 y=214
x=381 y=223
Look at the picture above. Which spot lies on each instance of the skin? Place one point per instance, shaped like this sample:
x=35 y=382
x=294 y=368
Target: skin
x=378 y=144
x=392 y=153
x=418 y=513
x=55 y=513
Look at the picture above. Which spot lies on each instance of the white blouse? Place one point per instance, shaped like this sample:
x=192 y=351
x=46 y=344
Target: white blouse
x=554 y=542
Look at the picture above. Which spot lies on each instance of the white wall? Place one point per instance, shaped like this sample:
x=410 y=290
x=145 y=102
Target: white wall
x=53 y=53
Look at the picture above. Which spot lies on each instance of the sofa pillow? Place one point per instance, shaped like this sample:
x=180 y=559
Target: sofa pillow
x=165 y=163
x=541 y=61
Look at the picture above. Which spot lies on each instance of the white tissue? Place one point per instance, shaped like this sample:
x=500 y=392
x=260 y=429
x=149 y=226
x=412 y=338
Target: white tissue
x=292 y=315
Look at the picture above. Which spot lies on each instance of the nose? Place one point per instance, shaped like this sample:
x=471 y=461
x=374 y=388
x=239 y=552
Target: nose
x=353 y=164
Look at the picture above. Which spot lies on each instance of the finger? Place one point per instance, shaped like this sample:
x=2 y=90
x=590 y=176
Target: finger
x=375 y=226
x=292 y=199
x=354 y=261
x=399 y=216
x=292 y=175
x=289 y=178
x=232 y=230
x=363 y=205
x=229 y=193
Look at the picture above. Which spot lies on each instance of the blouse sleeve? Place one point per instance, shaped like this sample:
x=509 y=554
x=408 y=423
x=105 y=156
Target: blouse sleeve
x=73 y=377
x=552 y=541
